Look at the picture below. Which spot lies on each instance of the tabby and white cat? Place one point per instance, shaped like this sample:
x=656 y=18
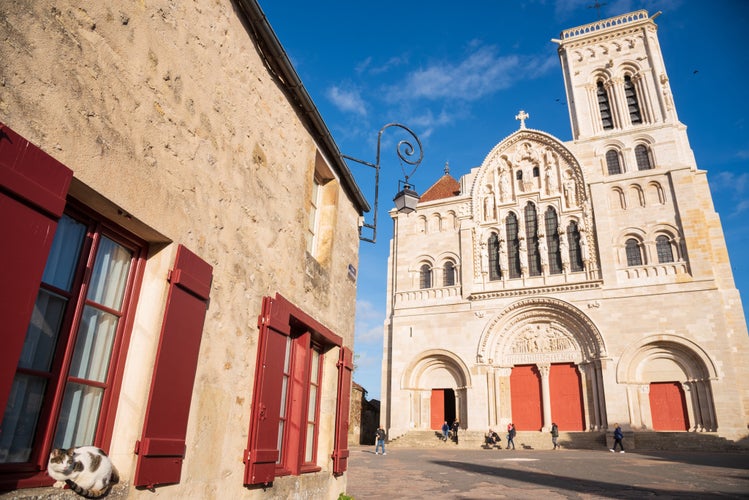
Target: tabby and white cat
x=87 y=470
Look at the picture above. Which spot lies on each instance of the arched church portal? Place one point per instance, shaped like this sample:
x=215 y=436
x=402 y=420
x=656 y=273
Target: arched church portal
x=436 y=382
x=545 y=357
x=668 y=385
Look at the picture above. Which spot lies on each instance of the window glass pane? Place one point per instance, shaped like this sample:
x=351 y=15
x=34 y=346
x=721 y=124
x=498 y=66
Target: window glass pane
x=20 y=419
x=312 y=407
x=513 y=246
x=281 y=426
x=41 y=337
x=612 y=162
x=531 y=228
x=63 y=257
x=425 y=277
x=552 y=241
x=663 y=248
x=94 y=345
x=495 y=271
x=573 y=240
x=109 y=278
x=309 y=444
x=315 y=367
x=643 y=158
x=634 y=257
x=78 y=416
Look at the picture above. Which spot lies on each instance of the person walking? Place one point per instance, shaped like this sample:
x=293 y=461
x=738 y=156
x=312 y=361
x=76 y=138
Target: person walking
x=618 y=436
x=456 y=426
x=445 y=430
x=511 y=436
x=380 y=440
x=554 y=435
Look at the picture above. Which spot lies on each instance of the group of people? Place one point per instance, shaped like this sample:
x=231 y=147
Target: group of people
x=492 y=438
x=446 y=430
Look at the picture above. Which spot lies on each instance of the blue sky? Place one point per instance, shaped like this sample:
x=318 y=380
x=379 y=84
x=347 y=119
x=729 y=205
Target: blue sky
x=457 y=73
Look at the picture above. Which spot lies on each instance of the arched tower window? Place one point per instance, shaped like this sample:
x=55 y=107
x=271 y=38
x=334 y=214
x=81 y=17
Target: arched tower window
x=604 y=107
x=664 y=250
x=642 y=155
x=573 y=241
x=552 y=241
x=632 y=105
x=513 y=246
x=531 y=229
x=448 y=274
x=612 y=162
x=634 y=256
x=425 y=276
x=494 y=270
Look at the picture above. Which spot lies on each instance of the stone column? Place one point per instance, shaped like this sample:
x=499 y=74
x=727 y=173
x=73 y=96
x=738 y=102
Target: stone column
x=504 y=393
x=544 y=369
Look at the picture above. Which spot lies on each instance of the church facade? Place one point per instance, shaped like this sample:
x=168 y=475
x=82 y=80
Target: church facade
x=583 y=282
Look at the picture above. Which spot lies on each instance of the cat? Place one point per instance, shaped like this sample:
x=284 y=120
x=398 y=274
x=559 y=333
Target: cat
x=87 y=470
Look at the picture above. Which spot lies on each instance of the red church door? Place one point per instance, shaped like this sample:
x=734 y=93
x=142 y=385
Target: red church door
x=668 y=407
x=525 y=389
x=566 y=397
x=437 y=409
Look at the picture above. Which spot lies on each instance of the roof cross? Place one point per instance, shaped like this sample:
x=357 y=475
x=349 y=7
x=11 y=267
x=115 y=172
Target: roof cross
x=597 y=6
x=522 y=116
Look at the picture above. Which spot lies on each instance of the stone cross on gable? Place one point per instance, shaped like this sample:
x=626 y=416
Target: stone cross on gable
x=522 y=116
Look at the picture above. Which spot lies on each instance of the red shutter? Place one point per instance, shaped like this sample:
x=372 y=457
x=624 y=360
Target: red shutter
x=161 y=448
x=262 y=451
x=33 y=186
x=340 y=451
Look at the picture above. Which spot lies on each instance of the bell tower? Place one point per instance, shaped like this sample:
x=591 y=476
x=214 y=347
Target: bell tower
x=615 y=77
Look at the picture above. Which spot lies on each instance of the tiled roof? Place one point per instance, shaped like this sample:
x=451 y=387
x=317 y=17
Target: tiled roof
x=445 y=187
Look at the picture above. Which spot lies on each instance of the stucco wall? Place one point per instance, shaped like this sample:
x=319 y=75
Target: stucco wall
x=173 y=125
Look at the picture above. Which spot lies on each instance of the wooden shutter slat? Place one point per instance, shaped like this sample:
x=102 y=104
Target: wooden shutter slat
x=343 y=404
x=33 y=187
x=162 y=446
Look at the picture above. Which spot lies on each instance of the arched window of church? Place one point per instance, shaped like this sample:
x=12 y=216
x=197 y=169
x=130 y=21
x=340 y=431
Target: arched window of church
x=604 y=107
x=513 y=246
x=664 y=250
x=573 y=241
x=448 y=274
x=519 y=175
x=632 y=105
x=536 y=172
x=612 y=162
x=552 y=241
x=425 y=276
x=634 y=255
x=642 y=155
x=495 y=272
x=531 y=230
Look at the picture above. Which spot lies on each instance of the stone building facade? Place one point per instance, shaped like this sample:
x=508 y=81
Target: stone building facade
x=180 y=288
x=584 y=282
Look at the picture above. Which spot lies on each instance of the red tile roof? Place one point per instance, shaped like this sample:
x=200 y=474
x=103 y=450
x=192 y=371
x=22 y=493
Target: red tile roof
x=445 y=187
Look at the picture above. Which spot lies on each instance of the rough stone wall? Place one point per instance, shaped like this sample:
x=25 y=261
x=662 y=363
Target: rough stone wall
x=168 y=117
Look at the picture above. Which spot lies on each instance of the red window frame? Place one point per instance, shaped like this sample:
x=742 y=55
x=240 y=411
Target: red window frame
x=284 y=326
x=31 y=472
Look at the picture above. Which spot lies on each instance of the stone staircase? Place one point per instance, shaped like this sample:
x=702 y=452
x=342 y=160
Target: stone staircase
x=533 y=440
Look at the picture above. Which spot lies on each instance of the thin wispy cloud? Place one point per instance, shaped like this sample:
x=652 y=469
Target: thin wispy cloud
x=369 y=323
x=482 y=72
x=347 y=100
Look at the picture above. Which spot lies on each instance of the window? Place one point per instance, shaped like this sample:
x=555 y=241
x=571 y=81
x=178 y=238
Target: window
x=312 y=216
x=603 y=106
x=632 y=105
x=531 y=227
x=612 y=162
x=634 y=256
x=663 y=249
x=448 y=274
x=513 y=246
x=63 y=385
x=425 y=276
x=289 y=385
x=573 y=240
x=642 y=155
x=552 y=241
x=495 y=272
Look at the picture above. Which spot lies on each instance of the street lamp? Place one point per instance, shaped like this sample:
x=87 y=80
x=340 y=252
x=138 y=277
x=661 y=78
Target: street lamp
x=407 y=198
